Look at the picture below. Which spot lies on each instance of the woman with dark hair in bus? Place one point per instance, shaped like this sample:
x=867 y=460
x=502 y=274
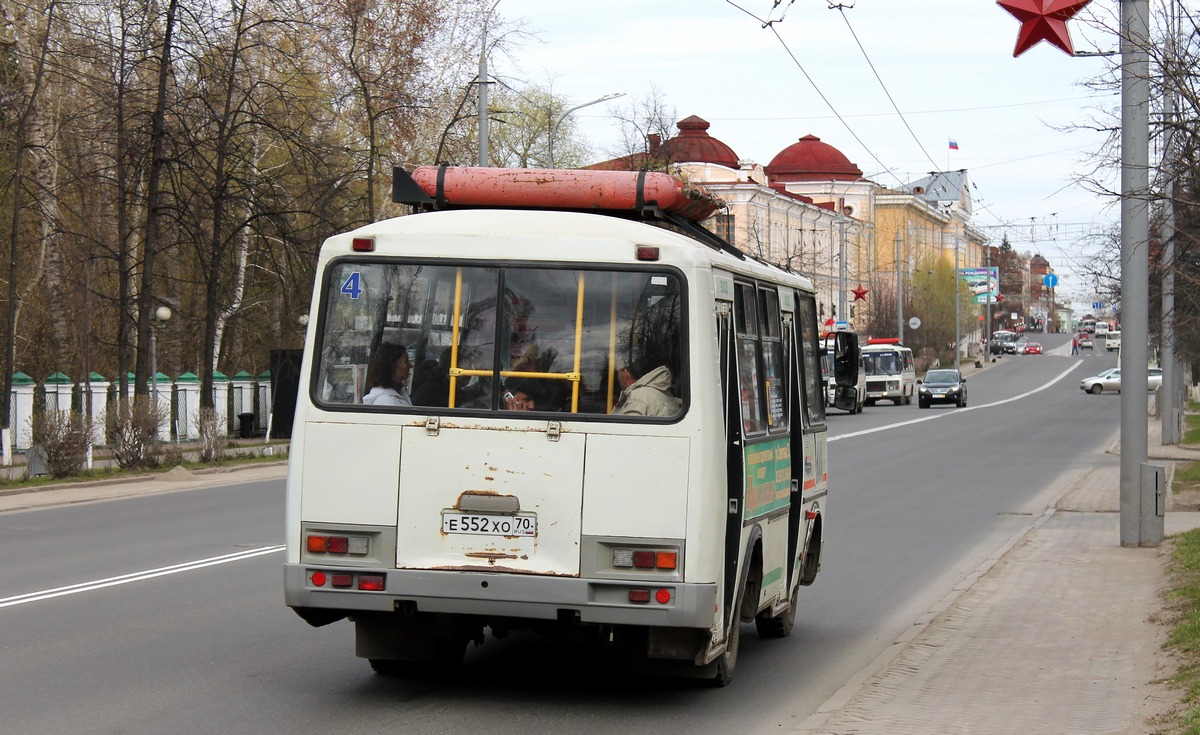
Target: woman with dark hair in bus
x=387 y=374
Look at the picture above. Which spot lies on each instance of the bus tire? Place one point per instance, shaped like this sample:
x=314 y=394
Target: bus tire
x=389 y=667
x=727 y=663
x=778 y=626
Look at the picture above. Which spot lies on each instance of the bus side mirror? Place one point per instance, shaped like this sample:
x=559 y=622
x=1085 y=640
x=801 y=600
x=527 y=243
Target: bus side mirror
x=847 y=354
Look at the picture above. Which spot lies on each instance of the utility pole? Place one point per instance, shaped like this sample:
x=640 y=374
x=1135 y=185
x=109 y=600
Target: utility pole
x=1172 y=385
x=842 y=315
x=957 y=310
x=987 y=305
x=899 y=293
x=1140 y=523
x=483 y=96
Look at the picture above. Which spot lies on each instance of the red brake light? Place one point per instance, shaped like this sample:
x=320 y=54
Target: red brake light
x=639 y=595
x=371 y=582
x=663 y=596
x=363 y=244
x=338 y=544
x=646 y=252
x=643 y=559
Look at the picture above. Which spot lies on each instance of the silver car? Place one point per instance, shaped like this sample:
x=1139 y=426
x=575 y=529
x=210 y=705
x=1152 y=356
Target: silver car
x=1111 y=380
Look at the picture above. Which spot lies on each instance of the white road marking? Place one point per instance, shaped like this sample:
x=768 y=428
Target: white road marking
x=135 y=577
x=943 y=414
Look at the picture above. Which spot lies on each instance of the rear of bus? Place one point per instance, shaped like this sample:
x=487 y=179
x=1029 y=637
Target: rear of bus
x=513 y=493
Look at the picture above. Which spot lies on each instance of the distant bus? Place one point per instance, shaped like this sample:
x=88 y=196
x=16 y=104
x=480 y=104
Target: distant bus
x=1087 y=325
x=891 y=374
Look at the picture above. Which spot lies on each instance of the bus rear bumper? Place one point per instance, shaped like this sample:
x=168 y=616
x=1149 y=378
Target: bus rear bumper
x=532 y=597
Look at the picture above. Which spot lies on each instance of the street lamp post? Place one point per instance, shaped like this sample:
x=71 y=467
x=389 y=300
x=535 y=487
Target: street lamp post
x=161 y=316
x=553 y=131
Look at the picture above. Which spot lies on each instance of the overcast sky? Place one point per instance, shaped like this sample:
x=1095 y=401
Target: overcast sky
x=946 y=65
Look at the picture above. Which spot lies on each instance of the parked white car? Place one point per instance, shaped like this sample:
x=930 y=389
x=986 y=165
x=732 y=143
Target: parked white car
x=1111 y=380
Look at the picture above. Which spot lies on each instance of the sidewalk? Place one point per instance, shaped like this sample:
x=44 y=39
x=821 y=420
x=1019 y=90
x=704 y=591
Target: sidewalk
x=173 y=480
x=1056 y=633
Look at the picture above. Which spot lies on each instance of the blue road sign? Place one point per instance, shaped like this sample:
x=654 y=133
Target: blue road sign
x=1051 y=280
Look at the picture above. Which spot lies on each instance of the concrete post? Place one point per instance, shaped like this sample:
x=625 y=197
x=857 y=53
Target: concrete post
x=265 y=404
x=221 y=401
x=161 y=400
x=58 y=392
x=22 y=398
x=97 y=407
x=187 y=407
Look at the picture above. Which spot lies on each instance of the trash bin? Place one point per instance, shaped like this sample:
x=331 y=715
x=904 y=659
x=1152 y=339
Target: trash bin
x=246 y=425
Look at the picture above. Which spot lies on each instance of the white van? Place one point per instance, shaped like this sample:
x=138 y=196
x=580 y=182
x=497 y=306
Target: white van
x=890 y=371
x=1112 y=340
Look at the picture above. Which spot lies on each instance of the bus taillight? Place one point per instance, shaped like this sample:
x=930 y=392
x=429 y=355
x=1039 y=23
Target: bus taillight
x=646 y=558
x=342 y=545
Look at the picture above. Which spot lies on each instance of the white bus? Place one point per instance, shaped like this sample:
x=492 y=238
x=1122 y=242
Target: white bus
x=891 y=374
x=513 y=492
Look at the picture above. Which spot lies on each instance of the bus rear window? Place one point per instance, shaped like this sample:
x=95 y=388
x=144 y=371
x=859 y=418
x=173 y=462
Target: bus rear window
x=496 y=338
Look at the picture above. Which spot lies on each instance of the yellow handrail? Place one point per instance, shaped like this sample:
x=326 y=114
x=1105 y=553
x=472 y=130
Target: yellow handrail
x=578 y=344
x=454 y=338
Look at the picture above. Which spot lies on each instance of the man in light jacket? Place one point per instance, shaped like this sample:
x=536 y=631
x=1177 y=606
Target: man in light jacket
x=646 y=393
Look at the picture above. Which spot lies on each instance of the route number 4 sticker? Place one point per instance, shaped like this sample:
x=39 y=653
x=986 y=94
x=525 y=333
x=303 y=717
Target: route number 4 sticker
x=352 y=286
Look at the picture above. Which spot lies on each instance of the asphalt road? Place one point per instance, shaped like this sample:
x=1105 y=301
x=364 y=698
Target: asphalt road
x=164 y=613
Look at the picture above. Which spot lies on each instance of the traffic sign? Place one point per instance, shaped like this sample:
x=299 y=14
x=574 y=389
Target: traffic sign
x=1051 y=280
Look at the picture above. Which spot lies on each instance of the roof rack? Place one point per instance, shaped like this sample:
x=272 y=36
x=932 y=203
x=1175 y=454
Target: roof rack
x=644 y=195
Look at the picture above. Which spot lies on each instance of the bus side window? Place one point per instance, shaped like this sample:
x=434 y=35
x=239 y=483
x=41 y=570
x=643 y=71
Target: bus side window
x=813 y=390
x=774 y=372
x=745 y=308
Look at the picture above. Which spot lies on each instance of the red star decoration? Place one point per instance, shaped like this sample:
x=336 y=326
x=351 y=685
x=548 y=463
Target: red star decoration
x=860 y=293
x=1043 y=20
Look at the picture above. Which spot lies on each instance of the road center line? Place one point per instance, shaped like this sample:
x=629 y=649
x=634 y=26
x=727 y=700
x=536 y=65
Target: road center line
x=943 y=414
x=135 y=577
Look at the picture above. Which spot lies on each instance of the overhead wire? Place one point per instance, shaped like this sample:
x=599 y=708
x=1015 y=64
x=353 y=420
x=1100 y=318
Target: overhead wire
x=842 y=11
x=770 y=25
x=983 y=206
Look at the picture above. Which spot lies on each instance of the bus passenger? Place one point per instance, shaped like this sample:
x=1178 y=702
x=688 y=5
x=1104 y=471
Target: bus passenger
x=646 y=392
x=521 y=396
x=387 y=374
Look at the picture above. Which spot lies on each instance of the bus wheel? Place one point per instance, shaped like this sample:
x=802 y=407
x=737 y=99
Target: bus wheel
x=388 y=667
x=778 y=626
x=727 y=663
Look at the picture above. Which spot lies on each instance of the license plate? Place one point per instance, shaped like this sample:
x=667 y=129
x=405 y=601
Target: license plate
x=939 y=395
x=483 y=524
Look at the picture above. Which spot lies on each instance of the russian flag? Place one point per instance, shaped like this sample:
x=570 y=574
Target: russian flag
x=953 y=144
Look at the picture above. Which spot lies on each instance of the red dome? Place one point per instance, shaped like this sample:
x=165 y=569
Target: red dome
x=695 y=145
x=809 y=159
